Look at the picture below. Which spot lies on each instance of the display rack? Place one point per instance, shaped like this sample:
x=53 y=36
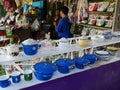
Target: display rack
x=117 y=16
x=102 y=13
x=43 y=52
x=95 y=27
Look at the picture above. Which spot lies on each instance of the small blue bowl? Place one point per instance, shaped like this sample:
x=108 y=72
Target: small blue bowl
x=43 y=76
x=30 y=49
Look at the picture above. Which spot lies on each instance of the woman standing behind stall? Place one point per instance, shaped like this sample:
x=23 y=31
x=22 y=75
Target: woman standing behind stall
x=64 y=25
x=53 y=33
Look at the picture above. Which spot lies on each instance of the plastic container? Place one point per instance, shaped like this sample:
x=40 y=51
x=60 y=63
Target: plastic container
x=80 y=62
x=30 y=49
x=64 y=65
x=44 y=70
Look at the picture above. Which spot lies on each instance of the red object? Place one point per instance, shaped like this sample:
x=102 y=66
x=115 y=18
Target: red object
x=8 y=3
x=93 y=6
x=93 y=22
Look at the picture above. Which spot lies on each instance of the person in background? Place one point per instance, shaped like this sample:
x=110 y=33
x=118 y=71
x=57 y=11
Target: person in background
x=10 y=7
x=15 y=22
x=12 y=14
x=64 y=25
x=53 y=33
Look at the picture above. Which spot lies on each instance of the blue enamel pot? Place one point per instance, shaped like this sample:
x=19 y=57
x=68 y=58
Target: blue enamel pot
x=64 y=65
x=30 y=49
x=80 y=62
x=44 y=70
x=43 y=76
x=91 y=57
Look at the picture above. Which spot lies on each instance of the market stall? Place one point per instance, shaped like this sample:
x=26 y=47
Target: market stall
x=104 y=67
x=87 y=61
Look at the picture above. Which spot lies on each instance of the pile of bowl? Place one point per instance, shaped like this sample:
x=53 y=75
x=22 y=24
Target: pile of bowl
x=103 y=55
x=44 y=70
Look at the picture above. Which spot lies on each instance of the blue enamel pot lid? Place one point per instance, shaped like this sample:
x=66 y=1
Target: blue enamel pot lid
x=45 y=67
x=65 y=62
x=90 y=56
x=81 y=60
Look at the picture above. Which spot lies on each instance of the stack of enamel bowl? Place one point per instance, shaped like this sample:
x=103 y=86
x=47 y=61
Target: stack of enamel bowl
x=44 y=70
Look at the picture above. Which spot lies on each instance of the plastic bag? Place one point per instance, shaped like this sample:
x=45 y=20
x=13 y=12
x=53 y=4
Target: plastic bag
x=35 y=26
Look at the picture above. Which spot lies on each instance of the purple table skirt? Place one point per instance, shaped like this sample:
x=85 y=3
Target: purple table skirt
x=106 y=77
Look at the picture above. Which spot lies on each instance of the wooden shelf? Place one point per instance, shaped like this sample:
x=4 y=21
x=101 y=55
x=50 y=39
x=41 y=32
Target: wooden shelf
x=31 y=15
x=101 y=1
x=101 y=13
x=95 y=27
